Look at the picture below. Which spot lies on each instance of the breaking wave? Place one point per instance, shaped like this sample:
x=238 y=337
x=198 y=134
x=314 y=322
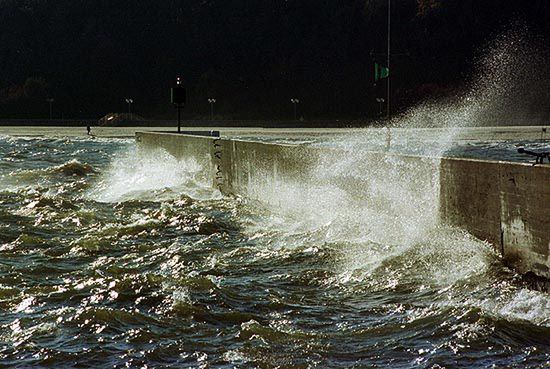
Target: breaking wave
x=150 y=175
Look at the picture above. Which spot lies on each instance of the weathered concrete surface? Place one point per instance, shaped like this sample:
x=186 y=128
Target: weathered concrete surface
x=233 y=164
x=507 y=204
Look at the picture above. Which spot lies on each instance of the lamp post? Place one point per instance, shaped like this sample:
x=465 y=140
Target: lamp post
x=178 y=98
x=50 y=100
x=212 y=102
x=295 y=102
x=389 y=59
x=129 y=102
x=380 y=101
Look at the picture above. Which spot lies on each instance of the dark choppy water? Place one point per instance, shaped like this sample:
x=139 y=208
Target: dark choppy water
x=114 y=257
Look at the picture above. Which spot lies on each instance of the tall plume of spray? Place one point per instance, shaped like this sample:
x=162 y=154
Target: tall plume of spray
x=515 y=75
x=509 y=87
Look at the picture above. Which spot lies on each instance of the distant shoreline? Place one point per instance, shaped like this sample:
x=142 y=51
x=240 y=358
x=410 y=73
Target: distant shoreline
x=334 y=123
x=230 y=124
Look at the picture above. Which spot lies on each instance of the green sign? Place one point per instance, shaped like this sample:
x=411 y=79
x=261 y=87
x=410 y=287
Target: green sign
x=380 y=72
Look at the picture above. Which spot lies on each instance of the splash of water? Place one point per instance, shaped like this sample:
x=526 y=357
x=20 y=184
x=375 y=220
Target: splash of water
x=150 y=175
x=381 y=211
x=508 y=87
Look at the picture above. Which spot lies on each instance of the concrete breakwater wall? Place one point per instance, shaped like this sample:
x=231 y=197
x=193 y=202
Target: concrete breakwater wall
x=506 y=204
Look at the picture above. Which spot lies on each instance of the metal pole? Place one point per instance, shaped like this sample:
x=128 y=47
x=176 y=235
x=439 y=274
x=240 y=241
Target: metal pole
x=50 y=101
x=179 y=118
x=389 y=53
x=295 y=110
x=211 y=110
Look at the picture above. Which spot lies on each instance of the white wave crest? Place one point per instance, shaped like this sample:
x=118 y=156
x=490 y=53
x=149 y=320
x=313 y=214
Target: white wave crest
x=148 y=175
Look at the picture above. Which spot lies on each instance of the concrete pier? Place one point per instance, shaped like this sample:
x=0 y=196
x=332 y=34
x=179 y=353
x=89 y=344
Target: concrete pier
x=504 y=203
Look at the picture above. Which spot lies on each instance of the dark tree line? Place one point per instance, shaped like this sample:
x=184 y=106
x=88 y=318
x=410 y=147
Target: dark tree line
x=252 y=56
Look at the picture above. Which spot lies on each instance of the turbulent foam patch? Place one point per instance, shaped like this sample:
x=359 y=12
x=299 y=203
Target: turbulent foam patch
x=74 y=168
x=521 y=305
x=34 y=178
x=148 y=175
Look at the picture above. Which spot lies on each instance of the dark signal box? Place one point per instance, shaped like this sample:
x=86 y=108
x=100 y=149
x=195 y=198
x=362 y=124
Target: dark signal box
x=178 y=95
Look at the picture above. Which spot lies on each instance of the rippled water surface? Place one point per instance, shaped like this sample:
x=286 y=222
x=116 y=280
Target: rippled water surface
x=111 y=256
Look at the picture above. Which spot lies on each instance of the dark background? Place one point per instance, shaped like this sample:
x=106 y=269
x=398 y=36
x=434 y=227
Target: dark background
x=251 y=55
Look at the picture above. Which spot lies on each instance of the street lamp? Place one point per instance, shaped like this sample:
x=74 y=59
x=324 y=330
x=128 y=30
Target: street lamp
x=380 y=101
x=295 y=102
x=212 y=102
x=50 y=100
x=178 y=96
x=129 y=102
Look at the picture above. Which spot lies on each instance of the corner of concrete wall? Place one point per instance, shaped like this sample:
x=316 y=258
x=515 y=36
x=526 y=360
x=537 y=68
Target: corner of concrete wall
x=506 y=204
x=470 y=198
x=525 y=217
